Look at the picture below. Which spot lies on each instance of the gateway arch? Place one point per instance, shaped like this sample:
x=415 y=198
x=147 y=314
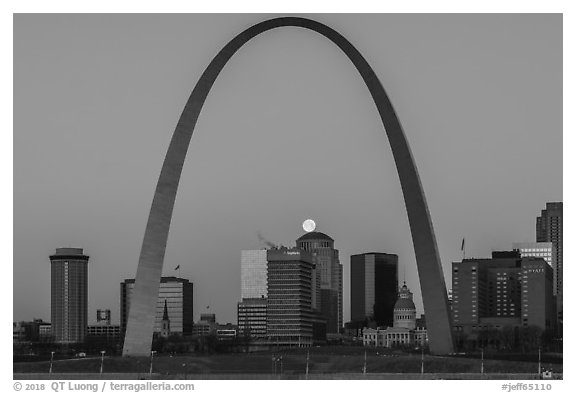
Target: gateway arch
x=139 y=331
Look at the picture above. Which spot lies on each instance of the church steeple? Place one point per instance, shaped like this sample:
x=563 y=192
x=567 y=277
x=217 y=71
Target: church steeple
x=165 y=332
x=165 y=317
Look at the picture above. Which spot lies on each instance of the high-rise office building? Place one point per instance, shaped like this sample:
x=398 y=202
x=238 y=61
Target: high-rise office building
x=326 y=260
x=549 y=229
x=507 y=290
x=252 y=309
x=373 y=287
x=175 y=293
x=253 y=274
x=290 y=317
x=69 y=295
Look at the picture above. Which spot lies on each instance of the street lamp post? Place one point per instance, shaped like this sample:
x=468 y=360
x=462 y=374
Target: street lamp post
x=422 y=361
x=51 y=360
x=151 y=361
x=307 y=361
x=539 y=364
x=102 y=362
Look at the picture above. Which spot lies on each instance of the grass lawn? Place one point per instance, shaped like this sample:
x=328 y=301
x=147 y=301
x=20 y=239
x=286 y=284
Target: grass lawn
x=322 y=360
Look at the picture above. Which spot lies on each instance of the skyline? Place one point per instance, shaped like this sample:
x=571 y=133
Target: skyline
x=413 y=89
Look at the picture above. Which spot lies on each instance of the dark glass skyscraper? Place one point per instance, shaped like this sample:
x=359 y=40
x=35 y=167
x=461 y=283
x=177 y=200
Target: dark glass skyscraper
x=174 y=293
x=373 y=287
x=69 y=275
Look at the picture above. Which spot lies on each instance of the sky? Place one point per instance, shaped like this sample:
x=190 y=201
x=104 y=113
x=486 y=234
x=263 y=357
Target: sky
x=288 y=132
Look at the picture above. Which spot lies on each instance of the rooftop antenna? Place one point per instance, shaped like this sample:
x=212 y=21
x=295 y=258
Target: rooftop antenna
x=404 y=273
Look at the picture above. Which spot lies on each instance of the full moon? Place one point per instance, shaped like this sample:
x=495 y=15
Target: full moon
x=309 y=225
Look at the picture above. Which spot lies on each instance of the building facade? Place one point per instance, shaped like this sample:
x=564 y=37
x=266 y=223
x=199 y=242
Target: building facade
x=110 y=332
x=290 y=317
x=252 y=314
x=506 y=290
x=227 y=332
x=549 y=229
x=103 y=327
x=373 y=287
x=326 y=260
x=45 y=331
x=544 y=250
x=69 y=295
x=206 y=326
x=177 y=293
x=32 y=331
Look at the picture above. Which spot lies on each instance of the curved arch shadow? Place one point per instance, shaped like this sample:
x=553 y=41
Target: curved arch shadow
x=138 y=340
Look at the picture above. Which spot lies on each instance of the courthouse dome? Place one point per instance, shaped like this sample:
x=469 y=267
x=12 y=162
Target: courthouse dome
x=404 y=299
x=405 y=310
x=402 y=304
